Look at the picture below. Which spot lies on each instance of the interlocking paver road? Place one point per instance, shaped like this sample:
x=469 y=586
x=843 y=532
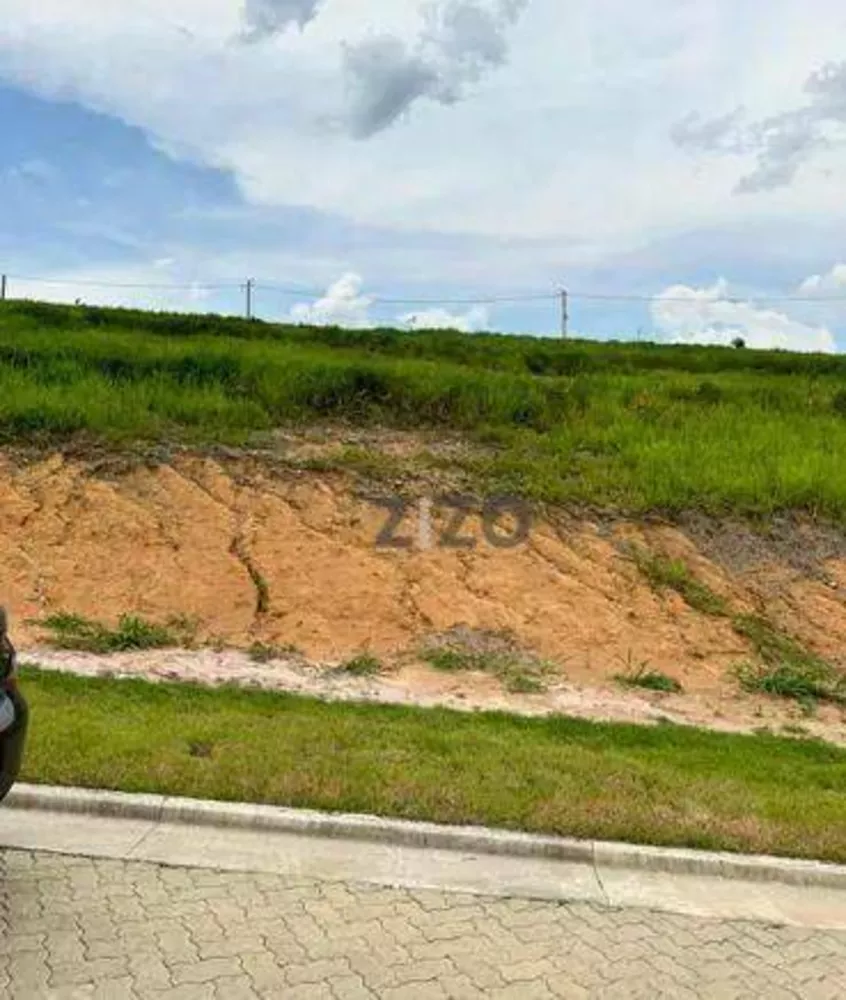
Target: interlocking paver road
x=81 y=928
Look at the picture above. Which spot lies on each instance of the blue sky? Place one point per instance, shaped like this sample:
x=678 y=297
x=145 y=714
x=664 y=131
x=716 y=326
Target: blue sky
x=361 y=150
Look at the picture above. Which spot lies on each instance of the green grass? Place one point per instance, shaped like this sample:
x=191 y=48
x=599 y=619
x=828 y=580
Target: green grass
x=664 y=785
x=520 y=682
x=496 y=352
x=784 y=668
x=630 y=426
x=70 y=631
x=806 y=682
x=794 y=729
x=639 y=675
x=363 y=665
x=787 y=669
x=456 y=660
x=519 y=674
x=674 y=574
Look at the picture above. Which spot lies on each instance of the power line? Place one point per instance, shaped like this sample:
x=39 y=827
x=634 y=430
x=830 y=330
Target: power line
x=123 y=284
x=698 y=298
x=426 y=301
x=493 y=300
x=306 y=292
x=280 y=289
x=555 y=296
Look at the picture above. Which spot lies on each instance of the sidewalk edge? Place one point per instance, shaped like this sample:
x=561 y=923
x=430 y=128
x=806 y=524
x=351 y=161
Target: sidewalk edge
x=404 y=833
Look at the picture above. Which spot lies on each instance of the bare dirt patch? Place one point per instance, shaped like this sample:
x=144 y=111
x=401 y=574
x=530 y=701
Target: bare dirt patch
x=255 y=552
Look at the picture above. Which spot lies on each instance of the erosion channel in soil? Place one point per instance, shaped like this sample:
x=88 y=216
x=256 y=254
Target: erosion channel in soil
x=265 y=556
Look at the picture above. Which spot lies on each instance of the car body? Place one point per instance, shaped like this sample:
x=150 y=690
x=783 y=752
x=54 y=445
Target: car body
x=14 y=714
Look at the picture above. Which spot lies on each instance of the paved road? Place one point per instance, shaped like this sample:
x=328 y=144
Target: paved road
x=74 y=927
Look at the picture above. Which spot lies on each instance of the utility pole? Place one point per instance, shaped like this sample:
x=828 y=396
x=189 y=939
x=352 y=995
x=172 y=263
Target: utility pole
x=564 y=315
x=249 y=289
x=2 y=288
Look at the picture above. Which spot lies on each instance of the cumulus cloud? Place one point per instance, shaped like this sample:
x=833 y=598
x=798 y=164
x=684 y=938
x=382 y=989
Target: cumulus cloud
x=782 y=143
x=265 y=18
x=823 y=297
x=342 y=305
x=346 y=304
x=833 y=281
x=441 y=319
x=683 y=314
x=460 y=40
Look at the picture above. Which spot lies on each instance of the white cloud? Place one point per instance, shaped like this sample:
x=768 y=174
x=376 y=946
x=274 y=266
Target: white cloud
x=709 y=316
x=824 y=298
x=342 y=305
x=833 y=281
x=345 y=304
x=567 y=138
x=782 y=143
x=442 y=319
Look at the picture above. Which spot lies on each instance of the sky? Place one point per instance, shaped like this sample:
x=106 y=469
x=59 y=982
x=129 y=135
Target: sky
x=678 y=167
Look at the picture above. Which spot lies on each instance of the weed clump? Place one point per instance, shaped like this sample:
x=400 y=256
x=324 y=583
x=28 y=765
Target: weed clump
x=787 y=669
x=363 y=665
x=674 y=574
x=132 y=633
x=639 y=675
x=466 y=650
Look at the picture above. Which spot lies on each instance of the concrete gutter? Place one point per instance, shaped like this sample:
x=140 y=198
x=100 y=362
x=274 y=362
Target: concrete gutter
x=599 y=855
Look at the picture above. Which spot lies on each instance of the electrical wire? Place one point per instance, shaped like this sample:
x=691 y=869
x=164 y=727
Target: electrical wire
x=288 y=290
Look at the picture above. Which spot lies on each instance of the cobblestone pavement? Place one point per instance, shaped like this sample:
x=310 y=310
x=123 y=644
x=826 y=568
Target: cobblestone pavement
x=80 y=928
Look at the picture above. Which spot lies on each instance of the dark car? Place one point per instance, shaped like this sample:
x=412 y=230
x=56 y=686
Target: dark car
x=13 y=712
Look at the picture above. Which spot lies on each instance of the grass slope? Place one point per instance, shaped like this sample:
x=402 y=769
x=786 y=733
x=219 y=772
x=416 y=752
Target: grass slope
x=634 y=426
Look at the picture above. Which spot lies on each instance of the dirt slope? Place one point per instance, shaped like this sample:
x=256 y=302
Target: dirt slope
x=289 y=558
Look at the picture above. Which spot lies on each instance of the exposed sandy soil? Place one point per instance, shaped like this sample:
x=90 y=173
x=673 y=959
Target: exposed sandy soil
x=259 y=553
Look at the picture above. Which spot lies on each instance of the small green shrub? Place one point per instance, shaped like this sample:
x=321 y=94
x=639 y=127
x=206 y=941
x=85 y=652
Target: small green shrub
x=455 y=660
x=523 y=683
x=518 y=672
x=70 y=631
x=363 y=665
x=640 y=676
x=806 y=683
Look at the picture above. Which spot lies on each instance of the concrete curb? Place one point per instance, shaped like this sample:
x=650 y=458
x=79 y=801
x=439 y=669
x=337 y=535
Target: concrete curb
x=403 y=833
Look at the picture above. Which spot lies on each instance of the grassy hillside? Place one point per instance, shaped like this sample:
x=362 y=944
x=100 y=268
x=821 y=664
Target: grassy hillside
x=635 y=426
